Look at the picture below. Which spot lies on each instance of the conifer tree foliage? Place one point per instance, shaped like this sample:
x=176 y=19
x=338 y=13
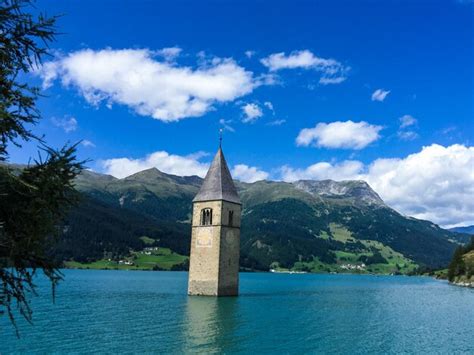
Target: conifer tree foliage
x=458 y=266
x=33 y=200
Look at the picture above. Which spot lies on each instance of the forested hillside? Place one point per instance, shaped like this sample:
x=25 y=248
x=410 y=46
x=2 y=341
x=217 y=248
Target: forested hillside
x=461 y=268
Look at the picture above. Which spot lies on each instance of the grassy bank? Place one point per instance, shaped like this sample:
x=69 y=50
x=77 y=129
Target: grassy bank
x=148 y=259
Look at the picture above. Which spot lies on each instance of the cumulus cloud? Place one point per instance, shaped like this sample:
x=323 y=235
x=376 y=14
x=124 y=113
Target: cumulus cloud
x=380 y=94
x=162 y=90
x=68 y=124
x=247 y=173
x=436 y=183
x=252 y=112
x=163 y=161
x=332 y=71
x=348 y=135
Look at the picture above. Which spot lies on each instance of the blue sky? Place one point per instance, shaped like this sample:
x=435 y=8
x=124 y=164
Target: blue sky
x=331 y=89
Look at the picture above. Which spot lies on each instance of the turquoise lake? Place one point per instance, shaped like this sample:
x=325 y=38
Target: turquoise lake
x=149 y=312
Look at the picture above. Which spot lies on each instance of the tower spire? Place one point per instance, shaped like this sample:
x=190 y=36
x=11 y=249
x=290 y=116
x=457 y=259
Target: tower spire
x=218 y=183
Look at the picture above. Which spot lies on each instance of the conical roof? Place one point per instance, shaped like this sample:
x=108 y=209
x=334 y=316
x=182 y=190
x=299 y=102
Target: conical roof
x=218 y=184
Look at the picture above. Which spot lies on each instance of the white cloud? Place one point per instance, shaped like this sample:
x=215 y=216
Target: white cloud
x=169 y=53
x=332 y=71
x=252 y=113
x=247 y=173
x=407 y=135
x=226 y=125
x=268 y=105
x=336 y=80
x=276 y=123
x=163 y=161
x=380 y=94
x=162 y=90
x=249 y=54
x=87 y=143
x=346 y=170
x=68 y=124
x=348 y=134
x=436 y=183
x=407 y=120
x=404 y=133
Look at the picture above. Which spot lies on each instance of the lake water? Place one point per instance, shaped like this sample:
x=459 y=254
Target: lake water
x=149 y=312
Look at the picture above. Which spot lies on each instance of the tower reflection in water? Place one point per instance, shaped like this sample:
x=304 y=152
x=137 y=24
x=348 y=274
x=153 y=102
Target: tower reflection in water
x=211 y=324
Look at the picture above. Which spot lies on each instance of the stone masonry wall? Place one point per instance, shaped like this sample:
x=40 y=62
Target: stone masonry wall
x=215 y=249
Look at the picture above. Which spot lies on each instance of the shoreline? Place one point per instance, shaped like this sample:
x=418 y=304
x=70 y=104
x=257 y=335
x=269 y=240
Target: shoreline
x=248 y=271
x=460 y=281
x=466 y=284
x=463 y=284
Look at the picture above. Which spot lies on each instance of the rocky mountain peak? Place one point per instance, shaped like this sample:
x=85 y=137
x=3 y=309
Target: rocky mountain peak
x=356 y=190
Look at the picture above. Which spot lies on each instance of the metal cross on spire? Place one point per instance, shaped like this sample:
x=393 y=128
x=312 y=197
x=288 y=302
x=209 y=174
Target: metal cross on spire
x=220 y=138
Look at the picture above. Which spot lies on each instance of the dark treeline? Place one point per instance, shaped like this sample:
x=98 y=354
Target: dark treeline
x=458 y=265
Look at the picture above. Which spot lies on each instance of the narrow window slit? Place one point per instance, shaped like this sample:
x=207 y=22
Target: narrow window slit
x=231 y=218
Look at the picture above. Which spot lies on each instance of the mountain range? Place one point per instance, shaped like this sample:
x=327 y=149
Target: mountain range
x=465 y=230
x=318 y=226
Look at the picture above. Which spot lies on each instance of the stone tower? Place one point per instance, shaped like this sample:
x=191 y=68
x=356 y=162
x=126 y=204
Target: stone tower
x=215 y=239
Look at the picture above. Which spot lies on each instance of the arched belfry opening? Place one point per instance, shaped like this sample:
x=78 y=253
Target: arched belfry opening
x=215 y=240
x=206 y=217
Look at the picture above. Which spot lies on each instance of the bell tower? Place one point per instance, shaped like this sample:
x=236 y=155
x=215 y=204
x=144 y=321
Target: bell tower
x=215 y=239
